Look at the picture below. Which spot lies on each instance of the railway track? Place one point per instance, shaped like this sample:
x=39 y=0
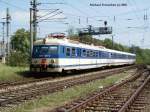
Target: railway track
x=10 y=98
x=4 y=86
x=121 y=97
x=7 y=84
x=139 y=102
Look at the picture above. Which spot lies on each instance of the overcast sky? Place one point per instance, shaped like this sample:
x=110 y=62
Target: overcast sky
x=131 y=14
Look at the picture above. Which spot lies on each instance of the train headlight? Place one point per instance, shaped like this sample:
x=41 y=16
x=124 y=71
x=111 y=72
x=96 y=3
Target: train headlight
x=52 y=61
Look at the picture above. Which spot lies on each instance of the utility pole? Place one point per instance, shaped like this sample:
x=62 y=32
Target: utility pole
x=8 y=18
x=3 y=43
x=3 y=49
x=3 y=40
x=79 y=20
x=34 y=11
x=33 y=24
x=31 y=32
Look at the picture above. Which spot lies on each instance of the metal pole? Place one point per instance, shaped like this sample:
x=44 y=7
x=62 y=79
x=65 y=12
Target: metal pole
x=34 y=19
x=31 y=32
x=4 y=49
x=7 y=30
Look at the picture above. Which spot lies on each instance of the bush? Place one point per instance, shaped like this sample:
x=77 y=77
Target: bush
x=18 y=58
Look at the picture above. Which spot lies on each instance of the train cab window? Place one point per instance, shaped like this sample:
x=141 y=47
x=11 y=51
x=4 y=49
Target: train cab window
x=68 y=52
x=73 y=52
x=53 y=50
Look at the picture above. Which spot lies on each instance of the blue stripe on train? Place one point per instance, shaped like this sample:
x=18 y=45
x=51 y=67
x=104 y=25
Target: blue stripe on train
x=78 y=54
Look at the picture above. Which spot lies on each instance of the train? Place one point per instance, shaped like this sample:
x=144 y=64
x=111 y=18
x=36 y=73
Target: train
x=60 y=55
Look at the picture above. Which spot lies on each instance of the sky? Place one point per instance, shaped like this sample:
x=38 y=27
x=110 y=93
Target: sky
x=125 y=16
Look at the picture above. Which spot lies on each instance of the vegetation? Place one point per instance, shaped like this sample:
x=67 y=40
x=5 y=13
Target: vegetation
x=20 y=41
x=20 y=52
x=60 y=98
x=8 y=73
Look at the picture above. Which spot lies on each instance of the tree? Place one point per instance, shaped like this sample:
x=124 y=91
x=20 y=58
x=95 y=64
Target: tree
x=108 y=43
x=21 y=41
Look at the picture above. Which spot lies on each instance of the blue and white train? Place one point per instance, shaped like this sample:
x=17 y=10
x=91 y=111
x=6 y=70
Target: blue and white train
x=58 y=55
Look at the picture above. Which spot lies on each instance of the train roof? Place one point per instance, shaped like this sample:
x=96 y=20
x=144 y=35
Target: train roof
x=67 y=42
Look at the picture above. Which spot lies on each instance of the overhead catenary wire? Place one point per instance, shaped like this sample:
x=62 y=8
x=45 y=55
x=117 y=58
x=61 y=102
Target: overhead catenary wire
x=55 y=10
x=12 y=5
x=50 y=16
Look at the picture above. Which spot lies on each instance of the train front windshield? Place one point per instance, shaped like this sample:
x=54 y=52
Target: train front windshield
x=43 y=51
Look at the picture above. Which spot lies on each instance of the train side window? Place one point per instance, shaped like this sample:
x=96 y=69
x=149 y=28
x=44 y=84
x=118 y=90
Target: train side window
x=107 y=54
x=88 y=53
x=73 y=52
x=91 y=53
x=113 y=55
x=78 y=52
x=101 y=54
x=127 y=56
x=84 y=53
x=96 y=54
x=68 y=52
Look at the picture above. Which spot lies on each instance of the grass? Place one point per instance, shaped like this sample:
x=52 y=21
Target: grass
x=60 y=98
x=8 y=73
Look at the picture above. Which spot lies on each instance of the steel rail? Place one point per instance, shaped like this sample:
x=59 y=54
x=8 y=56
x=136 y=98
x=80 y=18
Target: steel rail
x=133 y=97
x=82 y=104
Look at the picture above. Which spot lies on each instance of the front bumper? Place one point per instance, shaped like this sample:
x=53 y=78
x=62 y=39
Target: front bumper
x=44 y=68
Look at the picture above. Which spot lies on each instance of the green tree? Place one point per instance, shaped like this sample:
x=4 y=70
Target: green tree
x=108 y=43
x=21 y=41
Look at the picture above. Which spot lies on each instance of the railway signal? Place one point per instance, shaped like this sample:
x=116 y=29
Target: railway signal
x=95 y=31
